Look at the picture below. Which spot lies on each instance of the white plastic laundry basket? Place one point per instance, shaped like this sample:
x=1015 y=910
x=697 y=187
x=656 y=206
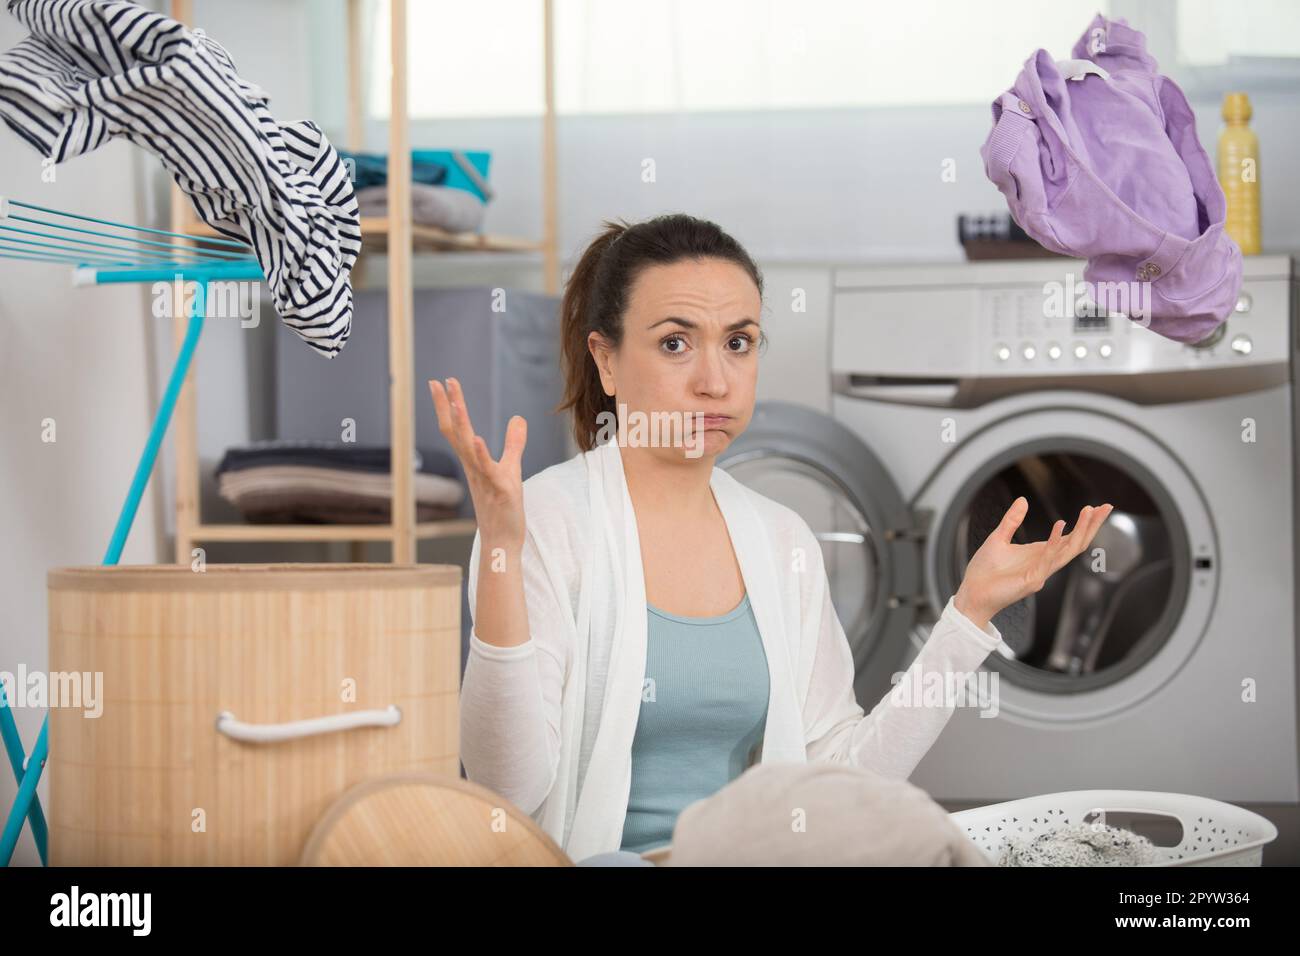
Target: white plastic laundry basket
x=1214 y=833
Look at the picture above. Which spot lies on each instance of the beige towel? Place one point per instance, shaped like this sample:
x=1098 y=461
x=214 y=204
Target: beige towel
x=305 y=479
x=819 y=814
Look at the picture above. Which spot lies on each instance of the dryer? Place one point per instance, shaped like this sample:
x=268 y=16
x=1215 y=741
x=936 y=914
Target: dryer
x=1164 y=657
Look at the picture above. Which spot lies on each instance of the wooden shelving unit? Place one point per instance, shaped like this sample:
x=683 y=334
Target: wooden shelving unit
x=401 y=239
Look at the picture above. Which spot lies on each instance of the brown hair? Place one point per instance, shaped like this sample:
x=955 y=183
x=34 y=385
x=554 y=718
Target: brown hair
x=596 y=294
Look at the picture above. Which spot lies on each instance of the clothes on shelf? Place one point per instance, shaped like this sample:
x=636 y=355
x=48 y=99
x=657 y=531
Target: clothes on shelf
x=1080 y=844
x=1098 y=158
x=335 y=454
x=371 y=169
x=819 y=814
x=290 y=482
x=95 y=70
x=466 y=169
x=454 y=168
x=445 y=207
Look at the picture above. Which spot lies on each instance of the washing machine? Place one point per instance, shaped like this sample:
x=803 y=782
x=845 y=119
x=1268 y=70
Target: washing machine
x=1164 y=656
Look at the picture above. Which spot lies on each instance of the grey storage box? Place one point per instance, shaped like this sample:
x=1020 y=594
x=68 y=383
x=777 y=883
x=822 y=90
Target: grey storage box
x=508 y=363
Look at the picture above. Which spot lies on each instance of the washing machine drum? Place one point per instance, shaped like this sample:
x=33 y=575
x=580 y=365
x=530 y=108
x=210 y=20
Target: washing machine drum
x=1097 y=613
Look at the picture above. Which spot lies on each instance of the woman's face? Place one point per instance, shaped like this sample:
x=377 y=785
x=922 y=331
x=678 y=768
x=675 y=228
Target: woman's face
x=690 y=345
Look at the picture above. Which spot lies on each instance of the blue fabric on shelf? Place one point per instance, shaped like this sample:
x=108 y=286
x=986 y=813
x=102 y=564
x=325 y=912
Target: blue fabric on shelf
x=371 y=169
x=457 y=176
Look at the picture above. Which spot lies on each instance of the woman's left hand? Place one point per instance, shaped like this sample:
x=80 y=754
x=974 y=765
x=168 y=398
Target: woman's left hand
x=1001 y=573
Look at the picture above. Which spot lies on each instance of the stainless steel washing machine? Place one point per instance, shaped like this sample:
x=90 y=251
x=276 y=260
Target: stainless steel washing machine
x=1164 y=658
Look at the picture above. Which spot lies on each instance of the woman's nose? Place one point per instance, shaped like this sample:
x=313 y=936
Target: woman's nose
x=711 y=377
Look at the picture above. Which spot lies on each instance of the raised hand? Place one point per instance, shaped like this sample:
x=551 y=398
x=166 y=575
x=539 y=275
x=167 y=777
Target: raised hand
x=496 y=487
x=1001 y=573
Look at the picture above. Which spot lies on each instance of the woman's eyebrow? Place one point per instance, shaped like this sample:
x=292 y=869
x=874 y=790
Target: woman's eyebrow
x=733 y=327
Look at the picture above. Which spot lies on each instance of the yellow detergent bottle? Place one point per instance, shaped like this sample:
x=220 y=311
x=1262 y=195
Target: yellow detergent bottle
x=1239 y=173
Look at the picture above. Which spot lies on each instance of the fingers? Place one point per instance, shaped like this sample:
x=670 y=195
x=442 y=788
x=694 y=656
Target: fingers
x=460 y=412
x=516 y=438
x=1051 y=549
x=1096 y=520
x=482 y=457
x=453 y=422
x=1086 y=527
x=1081 y=524
x=440 y=404
x=1011 y=520
x=446 y=419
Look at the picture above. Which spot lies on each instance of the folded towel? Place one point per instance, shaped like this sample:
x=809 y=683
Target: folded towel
x=375 y=486
x=331 y=454
x=445 y=207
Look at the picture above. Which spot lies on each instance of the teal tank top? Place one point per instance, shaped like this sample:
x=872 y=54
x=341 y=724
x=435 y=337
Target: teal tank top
x=703 y=709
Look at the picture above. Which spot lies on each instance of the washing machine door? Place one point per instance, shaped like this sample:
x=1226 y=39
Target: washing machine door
x=1115 y=625
x=813 y=464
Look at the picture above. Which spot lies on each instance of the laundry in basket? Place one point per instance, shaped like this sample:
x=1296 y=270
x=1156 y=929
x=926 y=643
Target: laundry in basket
x=1081 y=844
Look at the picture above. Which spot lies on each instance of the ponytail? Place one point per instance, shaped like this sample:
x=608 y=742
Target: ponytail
x=579 y=317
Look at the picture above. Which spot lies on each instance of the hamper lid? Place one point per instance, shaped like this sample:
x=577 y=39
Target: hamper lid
x=420 y=818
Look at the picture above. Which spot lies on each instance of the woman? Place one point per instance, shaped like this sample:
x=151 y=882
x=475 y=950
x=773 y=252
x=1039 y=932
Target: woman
x=645 y=626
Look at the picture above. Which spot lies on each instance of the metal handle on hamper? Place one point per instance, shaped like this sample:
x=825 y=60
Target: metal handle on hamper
x=271 y=733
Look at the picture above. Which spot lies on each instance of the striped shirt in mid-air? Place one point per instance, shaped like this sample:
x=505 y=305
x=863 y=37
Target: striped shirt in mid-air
x=94 y=70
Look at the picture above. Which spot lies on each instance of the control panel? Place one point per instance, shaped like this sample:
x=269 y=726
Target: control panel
x=1035 y=331
x=968 y=333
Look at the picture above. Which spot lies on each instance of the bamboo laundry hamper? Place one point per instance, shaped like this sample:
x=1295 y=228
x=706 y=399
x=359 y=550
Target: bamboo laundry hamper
x=239 y=702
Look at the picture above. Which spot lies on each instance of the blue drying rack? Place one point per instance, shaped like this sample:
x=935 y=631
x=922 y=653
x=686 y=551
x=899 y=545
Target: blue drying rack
x=102 y=252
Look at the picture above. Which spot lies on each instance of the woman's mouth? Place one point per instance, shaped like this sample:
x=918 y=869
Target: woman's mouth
x=716 y=421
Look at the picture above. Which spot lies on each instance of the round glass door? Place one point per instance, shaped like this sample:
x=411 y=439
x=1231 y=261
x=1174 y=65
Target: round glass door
x=1092 y=619
x=1120 y=619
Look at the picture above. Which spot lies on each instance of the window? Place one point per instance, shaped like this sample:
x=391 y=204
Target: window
x=1211 y=33
x=627 y=56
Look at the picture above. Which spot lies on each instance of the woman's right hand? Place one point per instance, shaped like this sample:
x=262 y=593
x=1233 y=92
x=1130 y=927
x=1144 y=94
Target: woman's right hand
x=496 y=487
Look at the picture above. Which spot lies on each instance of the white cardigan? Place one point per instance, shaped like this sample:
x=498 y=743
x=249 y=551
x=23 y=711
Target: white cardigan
x=549 y=723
